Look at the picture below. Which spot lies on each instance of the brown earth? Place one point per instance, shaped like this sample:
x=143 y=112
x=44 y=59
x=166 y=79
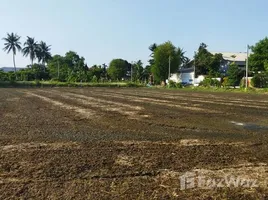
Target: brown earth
x=104 y=143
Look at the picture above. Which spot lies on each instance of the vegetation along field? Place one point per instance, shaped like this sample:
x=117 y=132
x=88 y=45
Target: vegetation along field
x=130 y=143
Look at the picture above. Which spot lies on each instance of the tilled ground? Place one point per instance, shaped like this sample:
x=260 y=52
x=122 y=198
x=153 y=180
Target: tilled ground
x=103 y=143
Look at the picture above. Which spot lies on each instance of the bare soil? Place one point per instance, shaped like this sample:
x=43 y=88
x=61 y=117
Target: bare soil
x=115 y=143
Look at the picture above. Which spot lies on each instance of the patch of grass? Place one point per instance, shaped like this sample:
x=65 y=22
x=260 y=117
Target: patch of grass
x=27 y=84
x=217 y=89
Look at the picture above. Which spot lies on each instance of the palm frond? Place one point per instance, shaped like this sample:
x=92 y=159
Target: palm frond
x=12 y=43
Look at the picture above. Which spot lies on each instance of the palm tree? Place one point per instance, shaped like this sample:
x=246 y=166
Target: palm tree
x=43 y=52
x=181 y=55
x=152 y=48
x=30 y=48
x=12 y=43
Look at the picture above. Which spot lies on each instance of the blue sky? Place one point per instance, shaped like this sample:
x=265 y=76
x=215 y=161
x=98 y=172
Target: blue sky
x=101 y=30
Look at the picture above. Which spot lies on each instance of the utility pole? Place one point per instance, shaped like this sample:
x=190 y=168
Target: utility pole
x=194 y=66
x=58 y=70
x=169 y=63
x=247 y=67
x=131 y=72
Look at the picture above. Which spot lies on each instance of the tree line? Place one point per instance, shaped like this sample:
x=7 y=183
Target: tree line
x=164 y=59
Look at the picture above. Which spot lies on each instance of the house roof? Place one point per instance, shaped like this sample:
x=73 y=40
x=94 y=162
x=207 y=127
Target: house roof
x=233 y=56
x=186 y=70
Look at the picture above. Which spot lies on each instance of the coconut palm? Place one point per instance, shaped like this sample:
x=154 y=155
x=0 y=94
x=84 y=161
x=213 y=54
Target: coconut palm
x=30 y=48
x=181 y=54
x=152 y=48
x=12 y=43
x=43 y=53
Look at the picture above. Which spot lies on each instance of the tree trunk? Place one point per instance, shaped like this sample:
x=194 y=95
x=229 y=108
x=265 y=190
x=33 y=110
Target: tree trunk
x=14 y=65
x=44 y=66
x=32 y=69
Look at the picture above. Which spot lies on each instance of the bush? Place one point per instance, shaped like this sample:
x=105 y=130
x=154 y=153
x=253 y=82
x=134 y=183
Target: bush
x=3 y=76
x=179 y=85
x=260 y=80
x=37 y=83
x=209 y=82
x=173 y=84
x=243 y=83
x=130 y=84
x=225 y=82
x=94 y=79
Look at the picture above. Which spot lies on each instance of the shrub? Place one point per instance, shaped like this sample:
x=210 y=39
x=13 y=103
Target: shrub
x=243 y=83
x=37 y=83
x=225 y=82
x=94 y=79
x=173 y=84
x=179 y=85
x=130 y=84
x=260 y=80
x=209 y=82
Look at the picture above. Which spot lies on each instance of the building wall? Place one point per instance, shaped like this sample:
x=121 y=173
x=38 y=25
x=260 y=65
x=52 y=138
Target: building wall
x=187 y=78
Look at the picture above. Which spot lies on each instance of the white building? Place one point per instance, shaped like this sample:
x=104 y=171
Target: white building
x=186 y=76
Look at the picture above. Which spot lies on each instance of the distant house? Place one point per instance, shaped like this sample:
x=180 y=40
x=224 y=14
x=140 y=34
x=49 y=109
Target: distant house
x=230 y=57
x=186 y=75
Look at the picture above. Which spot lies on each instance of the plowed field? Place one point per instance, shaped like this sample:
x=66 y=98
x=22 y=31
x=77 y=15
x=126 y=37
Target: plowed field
x=107 y=143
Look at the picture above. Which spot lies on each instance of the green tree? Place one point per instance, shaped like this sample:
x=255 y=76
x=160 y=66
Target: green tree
x=259 y=57
x=70 y=67
x=260 y=80
x=95 y=71
x=43 y=52
x=119 y=69
x=162 y=53
x=206 y=63
x=35 y=72
x=58 y=68
x=181 y=54
x=39 y=71
x=12 y=43
x=215 y=65
x=3 y=76
x=146 y=73
x=30 y=49
x=137 y=71
x=152 y=48
x=104 y=73
x=233 y=73
x=188 y=63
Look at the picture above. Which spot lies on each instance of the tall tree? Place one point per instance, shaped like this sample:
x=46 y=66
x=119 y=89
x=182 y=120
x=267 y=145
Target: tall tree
x=233 y=75
x=152 y=48
x=30 y=48
x=119 y=69
x=162 y=53
x=96 y=71
x=259 y=58
x=43 y=52
x=12 y=42
x=181 y=54
x=188 y=63
x=137 y=70
x=206 y=63
x=70 y=67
